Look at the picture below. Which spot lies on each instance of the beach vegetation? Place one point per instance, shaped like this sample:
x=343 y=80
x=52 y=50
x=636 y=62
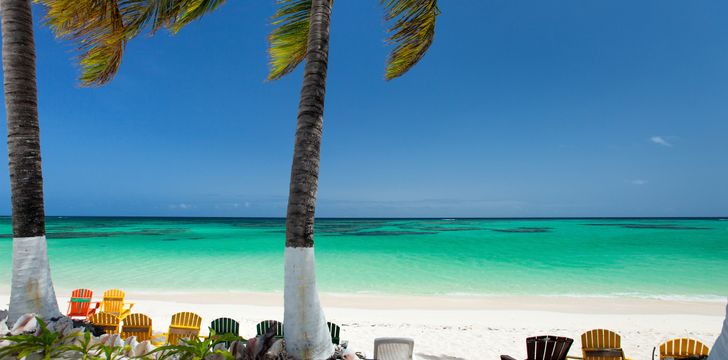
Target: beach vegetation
x=198 y=349
x=44 y=342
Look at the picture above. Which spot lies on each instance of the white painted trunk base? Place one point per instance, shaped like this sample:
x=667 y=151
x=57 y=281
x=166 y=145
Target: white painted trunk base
x=304 y=323
x=719 y=351
x=31 y=289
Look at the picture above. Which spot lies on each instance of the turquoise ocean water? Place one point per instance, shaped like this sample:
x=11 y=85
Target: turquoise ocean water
x=640 y=257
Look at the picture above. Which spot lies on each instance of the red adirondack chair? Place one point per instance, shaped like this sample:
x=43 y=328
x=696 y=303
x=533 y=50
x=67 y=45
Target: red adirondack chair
x=80 y=306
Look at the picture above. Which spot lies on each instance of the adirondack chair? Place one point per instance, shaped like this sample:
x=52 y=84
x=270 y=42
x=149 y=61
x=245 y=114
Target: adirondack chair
x=224 y=326
x=682 y=348
x=264 y=325
x=185 y=325
x=80 y=306
x=393 y=348
x=108 y=322
x=138 y=325
x=601 y=344
x=113 y=303
x=334 y=330
x=545 y=347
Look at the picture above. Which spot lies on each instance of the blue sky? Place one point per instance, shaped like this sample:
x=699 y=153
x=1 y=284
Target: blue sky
x=521 y=108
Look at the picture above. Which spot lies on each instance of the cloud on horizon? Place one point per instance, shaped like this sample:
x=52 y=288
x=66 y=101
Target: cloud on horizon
x=638 y=182
x=660 y=140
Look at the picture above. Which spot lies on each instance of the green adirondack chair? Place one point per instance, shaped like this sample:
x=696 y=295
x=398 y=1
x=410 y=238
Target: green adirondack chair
x=223 y=326
x=334 y=330
x=264 y=325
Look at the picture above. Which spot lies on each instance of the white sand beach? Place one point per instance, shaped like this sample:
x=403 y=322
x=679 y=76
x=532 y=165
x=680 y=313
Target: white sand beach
x=457 y=327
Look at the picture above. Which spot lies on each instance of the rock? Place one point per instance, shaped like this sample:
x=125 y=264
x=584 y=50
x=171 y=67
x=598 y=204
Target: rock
x=63 y=326
x=101 y=339
x=143 y=348
x=114 y=341
x=27 y=324
x=237 y=350
x=130 y=344
x=275 y=349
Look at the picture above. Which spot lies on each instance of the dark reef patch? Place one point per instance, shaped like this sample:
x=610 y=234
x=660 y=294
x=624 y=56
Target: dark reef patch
x=392 y=233
x=524 y=230
x=652 y=226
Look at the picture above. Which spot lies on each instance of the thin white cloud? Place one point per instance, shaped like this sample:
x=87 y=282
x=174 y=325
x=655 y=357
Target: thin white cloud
x=181 y=206
x=638 y=182
x=660 y=140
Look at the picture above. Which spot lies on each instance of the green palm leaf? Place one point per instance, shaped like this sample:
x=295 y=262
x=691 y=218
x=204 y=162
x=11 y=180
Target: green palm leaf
x=98 y=28
x=289 y=39
x=101 y=28
x=412 y=32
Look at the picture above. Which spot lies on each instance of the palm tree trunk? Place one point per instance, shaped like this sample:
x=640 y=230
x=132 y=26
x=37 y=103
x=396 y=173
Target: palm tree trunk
x=31 y=289
x=720 y=348
x=307 y=337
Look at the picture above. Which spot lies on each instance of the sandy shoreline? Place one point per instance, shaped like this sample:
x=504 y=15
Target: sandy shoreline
x=452 y=327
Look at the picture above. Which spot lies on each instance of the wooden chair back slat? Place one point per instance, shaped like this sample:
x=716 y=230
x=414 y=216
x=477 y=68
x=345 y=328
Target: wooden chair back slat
x=113 y=301
x=547 y=347
x=225 y=326
x=264 y=325
x=335 y=331
x=138 y=325
x=683 y=348
x=80 y=303
x=108 y=322
x=601 y=341
x=184 y=325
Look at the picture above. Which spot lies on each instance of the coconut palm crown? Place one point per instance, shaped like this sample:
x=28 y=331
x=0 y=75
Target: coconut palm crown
x=101 y=30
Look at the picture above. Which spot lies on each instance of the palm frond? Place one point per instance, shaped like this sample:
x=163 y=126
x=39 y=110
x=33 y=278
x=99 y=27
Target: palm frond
x=412 y=32
x=102 y=28
x=98 y=28
x=289 y=39
x=193 y=10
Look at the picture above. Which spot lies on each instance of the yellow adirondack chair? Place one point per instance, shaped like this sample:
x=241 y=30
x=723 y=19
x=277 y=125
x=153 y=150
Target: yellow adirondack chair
x=138 y=325
x=108 y=322
x=682 y=348
x=113 y=303
x=601 y=344
x=185 y=325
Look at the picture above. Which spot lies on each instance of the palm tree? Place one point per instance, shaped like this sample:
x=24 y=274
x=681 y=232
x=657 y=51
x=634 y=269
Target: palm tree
x=31 y=286
x=302 y=32
x=720 y=348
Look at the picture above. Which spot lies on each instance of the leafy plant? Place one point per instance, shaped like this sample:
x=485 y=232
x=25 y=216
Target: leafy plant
x=196 y=349
x=105 y=352
x=83 y=347
x=46 y=343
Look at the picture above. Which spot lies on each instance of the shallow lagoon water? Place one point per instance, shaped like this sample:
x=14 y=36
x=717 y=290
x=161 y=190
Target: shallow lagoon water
x=637 y=257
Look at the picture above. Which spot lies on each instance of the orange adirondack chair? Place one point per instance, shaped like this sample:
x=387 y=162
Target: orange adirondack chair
x=185 y=325
x=108 y=322
x=80 y=306
x=113 y=303
x=601 y=344
x=682 y=349
x=138 y=325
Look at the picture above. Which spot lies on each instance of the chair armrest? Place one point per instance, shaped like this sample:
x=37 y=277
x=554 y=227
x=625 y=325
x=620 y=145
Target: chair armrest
x=506 y=357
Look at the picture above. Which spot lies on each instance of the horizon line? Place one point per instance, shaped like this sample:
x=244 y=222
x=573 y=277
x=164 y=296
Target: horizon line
x=391 y=218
